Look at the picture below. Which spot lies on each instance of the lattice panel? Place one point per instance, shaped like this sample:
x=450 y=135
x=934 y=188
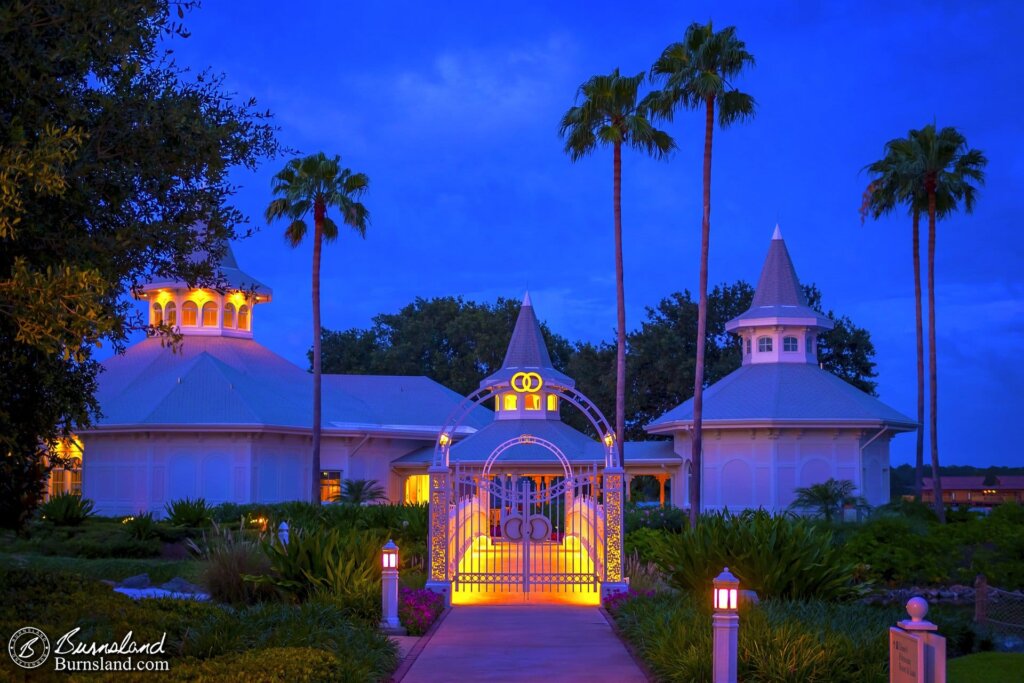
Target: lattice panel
x=439 y=526
x=613 y=527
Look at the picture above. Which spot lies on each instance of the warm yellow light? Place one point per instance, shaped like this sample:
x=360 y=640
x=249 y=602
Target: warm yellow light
x=609 y=439
x=127 y=519
x=552 y=402
x=510 y=401
x=725 y=593
x=532 y=401
x=389 y=555
x=444 y=439
x=526 y=382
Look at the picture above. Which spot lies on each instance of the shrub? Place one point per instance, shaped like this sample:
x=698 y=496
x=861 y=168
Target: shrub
x=186 y=512
x=418 y=609
x=777 y=556
x=141 y=527
x=641 y=543
x=778 y=641
x=228 y=557
x=66 y=509
x=340 y=562
x=900 y=550
x=644 y=577
x=298 y=664
x=668 y=518
x=274 y=625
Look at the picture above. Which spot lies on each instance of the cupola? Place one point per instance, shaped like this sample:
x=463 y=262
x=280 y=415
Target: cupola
x=779 y=326
x=528 y=371
x=208 y=312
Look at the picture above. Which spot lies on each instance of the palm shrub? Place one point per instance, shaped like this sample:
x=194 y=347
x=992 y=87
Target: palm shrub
x=828 y=499
x=338 y=562
x=361 y=491
x=186 y=512
x=141 y=527
x=66 y=509
x=778 y=556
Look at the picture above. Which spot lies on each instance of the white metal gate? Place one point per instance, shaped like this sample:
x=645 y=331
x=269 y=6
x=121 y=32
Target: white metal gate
x=526 y=528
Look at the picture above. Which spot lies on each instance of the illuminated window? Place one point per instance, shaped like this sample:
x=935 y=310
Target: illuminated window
x=510 y=402
x=171 y=314
x=789 y=344
x=229 y=315
x=532 y=401
x=158 y=314
x=243 y=317
x=764 y=344
x=552 y=402
x=330 y=485
x=209 y=314
x=189 y=314
x=417 y=489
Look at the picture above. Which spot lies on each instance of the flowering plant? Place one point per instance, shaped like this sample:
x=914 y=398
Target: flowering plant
x=418 y=609
x=615 y=601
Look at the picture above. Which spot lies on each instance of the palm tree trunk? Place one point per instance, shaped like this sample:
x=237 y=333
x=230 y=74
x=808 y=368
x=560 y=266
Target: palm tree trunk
x=696 y=451
x=620 y=293
x=318 y=238
x=933 y=396
x=919 y=328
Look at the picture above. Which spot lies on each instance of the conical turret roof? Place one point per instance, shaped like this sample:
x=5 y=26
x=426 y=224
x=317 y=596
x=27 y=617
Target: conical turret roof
x=527 y=351
x=779 y=294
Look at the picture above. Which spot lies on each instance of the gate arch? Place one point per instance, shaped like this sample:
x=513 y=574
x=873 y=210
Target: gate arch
x=463 y=497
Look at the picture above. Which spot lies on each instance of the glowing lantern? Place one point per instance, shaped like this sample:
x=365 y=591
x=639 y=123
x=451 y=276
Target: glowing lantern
x=609 y=439
x=726 y=592
x=389 y=556
x=444 y=439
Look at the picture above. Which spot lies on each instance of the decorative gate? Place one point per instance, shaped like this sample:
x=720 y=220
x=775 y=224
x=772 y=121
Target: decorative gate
x=517 y=528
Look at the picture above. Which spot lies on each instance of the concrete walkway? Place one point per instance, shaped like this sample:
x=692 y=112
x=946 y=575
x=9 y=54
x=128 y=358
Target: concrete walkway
x=552 y=643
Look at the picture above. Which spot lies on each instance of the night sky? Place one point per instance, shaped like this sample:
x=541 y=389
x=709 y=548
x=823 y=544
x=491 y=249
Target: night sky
x=452 y=109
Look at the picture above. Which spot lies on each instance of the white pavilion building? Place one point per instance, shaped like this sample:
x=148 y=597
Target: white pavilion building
x=780 y=421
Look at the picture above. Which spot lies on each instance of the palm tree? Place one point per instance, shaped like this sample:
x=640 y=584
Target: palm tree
x=359 y=491
x=698 y=73
x=935 y=172
x=828 y=499
x=893 y=185
x=317 y=183
x=607 y=113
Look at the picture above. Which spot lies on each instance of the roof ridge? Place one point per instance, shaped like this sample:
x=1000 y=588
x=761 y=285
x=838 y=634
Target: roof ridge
x=203 y=358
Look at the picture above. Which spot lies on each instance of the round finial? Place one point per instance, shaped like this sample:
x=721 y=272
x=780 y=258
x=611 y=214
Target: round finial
x=917 y=608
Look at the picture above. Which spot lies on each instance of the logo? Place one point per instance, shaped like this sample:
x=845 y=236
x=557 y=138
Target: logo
x=28 y=647
x=526 y=382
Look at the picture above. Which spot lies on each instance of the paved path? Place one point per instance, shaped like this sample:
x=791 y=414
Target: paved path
x=550 y=643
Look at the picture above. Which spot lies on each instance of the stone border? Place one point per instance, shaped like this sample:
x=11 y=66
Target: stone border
x=630 y=650
x=414 y=653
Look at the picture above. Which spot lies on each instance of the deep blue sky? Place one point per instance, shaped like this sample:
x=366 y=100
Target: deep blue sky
x=452 y=110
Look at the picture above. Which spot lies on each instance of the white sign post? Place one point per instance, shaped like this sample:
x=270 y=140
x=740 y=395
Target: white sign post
x=917 y=653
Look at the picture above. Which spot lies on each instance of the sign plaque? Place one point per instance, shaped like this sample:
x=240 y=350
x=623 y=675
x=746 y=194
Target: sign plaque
x=906 y=657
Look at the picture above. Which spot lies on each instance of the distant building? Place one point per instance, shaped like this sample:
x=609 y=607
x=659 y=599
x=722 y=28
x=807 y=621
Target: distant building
x=780 y=421
x=980 y=491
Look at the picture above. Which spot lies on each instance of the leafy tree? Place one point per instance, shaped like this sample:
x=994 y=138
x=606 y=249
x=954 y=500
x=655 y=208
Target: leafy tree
x=359 y=491
x=607 y=112
x=315 y=184
x=110 y=154
x=828 y=499
x=698 y=73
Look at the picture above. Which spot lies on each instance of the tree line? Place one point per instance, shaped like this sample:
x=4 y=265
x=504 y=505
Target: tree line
x=458 y=343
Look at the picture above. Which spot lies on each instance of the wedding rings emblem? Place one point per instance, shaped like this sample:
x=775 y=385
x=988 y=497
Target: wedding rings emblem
x=526 y=382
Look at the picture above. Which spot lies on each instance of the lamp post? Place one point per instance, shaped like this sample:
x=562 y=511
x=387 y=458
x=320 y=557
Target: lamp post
x=389 y=589
x=726 y=625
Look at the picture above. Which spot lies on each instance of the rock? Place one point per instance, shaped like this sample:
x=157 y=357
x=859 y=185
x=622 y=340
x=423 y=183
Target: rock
x=180 y=585
x=138 y=581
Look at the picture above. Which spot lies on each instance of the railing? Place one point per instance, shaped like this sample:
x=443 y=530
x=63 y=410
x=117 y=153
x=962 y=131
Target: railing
x=466 y=522
x=996 y=607
x=586 y=517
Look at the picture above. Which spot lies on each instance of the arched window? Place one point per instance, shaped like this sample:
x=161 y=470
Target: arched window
x=552 y=402
x=229 y=315
x=243 y=317
x=532 y=401
x=509 y=402
x=789 y=344
x=764 y=344
x=158 y=314
x=171 y=313
x=209 y=314
x=189 y=314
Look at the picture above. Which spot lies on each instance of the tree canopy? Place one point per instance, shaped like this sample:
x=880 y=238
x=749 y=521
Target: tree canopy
x=110 y=156
x=458 y=343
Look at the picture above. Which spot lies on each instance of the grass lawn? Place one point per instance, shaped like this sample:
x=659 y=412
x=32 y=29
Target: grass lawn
x=986 y=667
x=113 y=569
